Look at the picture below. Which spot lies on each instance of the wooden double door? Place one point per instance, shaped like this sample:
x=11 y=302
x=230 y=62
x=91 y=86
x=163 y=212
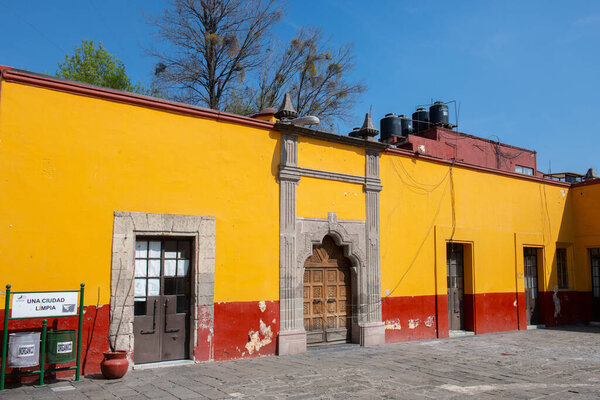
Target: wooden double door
x=327 y=294
x=162 y=297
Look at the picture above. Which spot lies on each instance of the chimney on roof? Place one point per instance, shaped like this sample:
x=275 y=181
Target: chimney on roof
x=354 y=133
x=267 y=114
x=286 y=110
x=368 y=129
x=590 y=174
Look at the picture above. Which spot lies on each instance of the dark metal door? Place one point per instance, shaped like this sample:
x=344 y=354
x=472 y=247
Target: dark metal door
x=531 y=285
x=456 y=285
x=595 y=267
x=162 y=299
x=327 y=298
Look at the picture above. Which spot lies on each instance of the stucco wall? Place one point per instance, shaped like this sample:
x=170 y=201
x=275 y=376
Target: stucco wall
x=68 y=162
x=425 y=204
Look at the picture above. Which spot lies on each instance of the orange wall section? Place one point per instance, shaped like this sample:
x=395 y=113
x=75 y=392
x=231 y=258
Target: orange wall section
x=68 y=161
x=425 y=204
x=586 y=216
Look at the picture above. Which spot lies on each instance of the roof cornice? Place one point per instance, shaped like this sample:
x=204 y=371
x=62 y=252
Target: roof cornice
x=289 y=129
x=47 y=82
x=461 y=164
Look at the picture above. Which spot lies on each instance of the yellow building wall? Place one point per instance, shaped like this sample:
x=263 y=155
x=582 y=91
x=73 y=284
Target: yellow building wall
x=316 y=197
x=586 y=219
x=332 y=157
x=67 y=162
x=425 y=204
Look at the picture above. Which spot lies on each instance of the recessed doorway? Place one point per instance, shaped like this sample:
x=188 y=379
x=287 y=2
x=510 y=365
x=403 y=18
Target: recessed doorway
x=162 y=295
x=327 y=294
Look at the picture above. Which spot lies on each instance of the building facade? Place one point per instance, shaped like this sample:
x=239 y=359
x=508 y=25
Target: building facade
x=208 y=236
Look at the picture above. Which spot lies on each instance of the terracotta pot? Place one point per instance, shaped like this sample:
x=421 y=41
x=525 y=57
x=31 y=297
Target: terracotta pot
x=115 y=364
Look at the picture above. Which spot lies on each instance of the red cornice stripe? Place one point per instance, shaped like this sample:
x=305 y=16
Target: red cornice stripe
x=46 y=82
x=473 y=167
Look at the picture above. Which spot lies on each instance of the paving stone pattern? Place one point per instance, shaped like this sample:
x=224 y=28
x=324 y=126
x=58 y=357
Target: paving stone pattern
x=537 y=364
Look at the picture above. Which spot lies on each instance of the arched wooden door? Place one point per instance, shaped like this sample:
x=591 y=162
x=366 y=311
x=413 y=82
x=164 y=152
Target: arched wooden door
x=327 y=294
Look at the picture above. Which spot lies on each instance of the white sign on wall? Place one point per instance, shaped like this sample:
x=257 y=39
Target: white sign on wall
x=40 y=304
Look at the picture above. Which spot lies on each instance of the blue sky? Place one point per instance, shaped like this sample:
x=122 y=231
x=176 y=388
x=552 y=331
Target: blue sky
x=524 y=71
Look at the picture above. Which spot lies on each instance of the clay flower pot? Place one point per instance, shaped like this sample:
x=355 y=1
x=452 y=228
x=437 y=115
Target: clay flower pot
x=115 y=364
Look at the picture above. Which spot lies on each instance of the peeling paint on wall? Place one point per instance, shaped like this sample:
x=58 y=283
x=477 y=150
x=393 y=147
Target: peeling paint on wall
x=556 y=302
x=255 y=342
x=413 y=323
x=515 y=303
x=430 y=321
x=262 y=306
x=393 y=324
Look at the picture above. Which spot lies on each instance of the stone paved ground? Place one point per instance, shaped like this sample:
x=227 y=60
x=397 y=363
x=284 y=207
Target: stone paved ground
x=537 y=364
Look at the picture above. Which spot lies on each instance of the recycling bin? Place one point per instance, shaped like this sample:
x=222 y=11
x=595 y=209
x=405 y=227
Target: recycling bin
x=23 y=349
x=60 y=346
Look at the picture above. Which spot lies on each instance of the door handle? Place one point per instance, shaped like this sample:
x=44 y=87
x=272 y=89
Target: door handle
x=331 y=300
x=315 y=301
x=167 y=330
x=153 y=321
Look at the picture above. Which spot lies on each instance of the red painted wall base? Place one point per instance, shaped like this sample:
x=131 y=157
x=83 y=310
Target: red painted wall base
x=249 y=329
x=426 y=317
x=245 y=329
x=565 y=307
x=409 y=318
x=94 y=338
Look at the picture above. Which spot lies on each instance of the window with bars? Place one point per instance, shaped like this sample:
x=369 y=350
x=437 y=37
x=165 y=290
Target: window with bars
x=561 y=268
x=162 y=268
x=595 y=264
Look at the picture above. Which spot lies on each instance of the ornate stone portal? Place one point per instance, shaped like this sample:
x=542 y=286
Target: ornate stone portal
x=360 y=240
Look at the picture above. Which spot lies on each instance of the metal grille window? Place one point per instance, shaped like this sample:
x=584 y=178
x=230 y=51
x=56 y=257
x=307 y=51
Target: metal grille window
x=454 y=265
x=561 y=269
x=530 y=264
x=595 y=264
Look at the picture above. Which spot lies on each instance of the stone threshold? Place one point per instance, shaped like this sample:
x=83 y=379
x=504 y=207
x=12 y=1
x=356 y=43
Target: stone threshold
x=163 y=364
x=538 y=326
x=458 y=333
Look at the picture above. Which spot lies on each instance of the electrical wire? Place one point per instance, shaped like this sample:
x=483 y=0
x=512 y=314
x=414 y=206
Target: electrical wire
x=427 y=233
x=33 y=27
x=449 y=182
x=425 y=187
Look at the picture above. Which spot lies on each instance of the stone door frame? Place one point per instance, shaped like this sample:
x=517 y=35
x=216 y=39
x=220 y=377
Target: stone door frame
x=128 y=225
x=350 y=236
x=360 y=240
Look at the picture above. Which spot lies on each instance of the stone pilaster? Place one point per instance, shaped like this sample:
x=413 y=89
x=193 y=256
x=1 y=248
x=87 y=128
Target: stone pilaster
x=372 y=330
x=292 y=337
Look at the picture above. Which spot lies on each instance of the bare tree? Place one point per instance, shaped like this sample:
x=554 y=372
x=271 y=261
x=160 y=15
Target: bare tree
x=221 y=57
x=315 y=74
x=213 y=43
x=321 y=85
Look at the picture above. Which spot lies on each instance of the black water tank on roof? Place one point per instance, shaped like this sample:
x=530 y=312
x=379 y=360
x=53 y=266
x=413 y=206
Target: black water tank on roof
x=406 y=125
x=389 y=126
x=420 y=120
x=438 y=114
